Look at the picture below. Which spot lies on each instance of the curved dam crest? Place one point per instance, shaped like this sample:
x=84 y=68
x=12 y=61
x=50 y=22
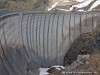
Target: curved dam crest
x=42 y=37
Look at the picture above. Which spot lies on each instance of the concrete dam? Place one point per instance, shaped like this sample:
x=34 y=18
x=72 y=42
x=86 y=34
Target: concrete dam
x=41 y=37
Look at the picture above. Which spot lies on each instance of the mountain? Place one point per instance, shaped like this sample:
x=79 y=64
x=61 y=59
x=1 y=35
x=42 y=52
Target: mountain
x=22 y=4
x=76 y=5
x=49 y=5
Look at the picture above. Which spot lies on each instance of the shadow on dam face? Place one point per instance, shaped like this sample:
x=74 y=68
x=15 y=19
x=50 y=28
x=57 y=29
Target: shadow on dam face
x=43 y=38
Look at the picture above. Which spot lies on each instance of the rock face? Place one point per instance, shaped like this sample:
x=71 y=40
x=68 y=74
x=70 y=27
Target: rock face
x=22 y=4
x=57 y=5
x=56 y=70
x=84 y=65
x=87 y=43
x=26 y=4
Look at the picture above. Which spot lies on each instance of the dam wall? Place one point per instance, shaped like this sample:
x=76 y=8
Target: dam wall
x=41 y=37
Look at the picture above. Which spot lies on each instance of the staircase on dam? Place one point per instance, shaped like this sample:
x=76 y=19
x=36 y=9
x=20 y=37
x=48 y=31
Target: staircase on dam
x=41 y=37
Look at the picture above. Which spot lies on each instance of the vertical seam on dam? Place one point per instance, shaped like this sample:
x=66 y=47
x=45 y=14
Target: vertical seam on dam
x=63 y=26
x=30 y=31
x=80 y=25
x=43 y=37
x=48 y=39
x=27 y=35
x=4 y=37
x=36 y=35
x=39 y=34
x=29 y=24
x=69 y=30
x=57 y=39
x=74 y=25
x=21 y=31
x=33 y=32
x=62 y=33
x=32 y=36
x=22 y=36
x=51 y=34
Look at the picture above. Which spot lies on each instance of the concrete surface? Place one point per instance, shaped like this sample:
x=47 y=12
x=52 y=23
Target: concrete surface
x=41 y=37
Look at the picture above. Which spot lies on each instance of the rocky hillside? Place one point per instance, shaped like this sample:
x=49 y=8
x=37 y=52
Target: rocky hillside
x=87 y=43
x=21 y=4
x=76 y=5
x=84 y=65
x=48 y=5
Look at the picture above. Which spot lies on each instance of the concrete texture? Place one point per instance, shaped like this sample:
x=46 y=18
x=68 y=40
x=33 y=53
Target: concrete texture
x=41 y=37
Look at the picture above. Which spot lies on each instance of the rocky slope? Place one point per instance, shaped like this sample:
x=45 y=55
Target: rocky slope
x=84 y=65
x=78 y=5
x=87 y=43
x=48 y=5
x=21 y=4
